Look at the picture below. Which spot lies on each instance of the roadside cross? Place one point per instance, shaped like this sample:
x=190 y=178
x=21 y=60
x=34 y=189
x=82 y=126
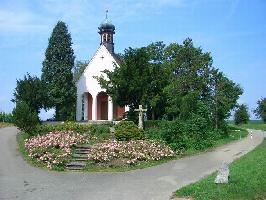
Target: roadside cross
x=141 y=111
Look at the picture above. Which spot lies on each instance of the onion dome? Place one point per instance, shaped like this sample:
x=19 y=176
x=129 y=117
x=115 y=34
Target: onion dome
x=106 y=25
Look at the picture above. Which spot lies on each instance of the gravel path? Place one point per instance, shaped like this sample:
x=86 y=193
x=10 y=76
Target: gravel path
x=19 y=180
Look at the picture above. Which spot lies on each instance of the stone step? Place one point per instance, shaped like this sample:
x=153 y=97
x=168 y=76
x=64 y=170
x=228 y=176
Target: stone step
x=79 y=156
x=82 y=152
x=83 y=146
x=75 y=168
x=80 y=159
x=76 y=164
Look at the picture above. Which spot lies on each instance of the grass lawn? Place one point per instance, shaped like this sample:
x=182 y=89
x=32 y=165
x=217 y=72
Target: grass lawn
x=252 y=124
x=247 y=180
x=3 y=124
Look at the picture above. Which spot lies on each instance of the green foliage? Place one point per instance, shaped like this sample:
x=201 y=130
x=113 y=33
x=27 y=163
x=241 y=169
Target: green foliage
x=171 y=81
x=190 y=78
x=260 y=111
x=79 y=68
x=30 y=90
x=127 y=130
x=57 y=74
x=224 y=96
x=140 y=79
x=128 y=83
x=152 y=124
x=6 y=117
x=193 y=133
x=241 y=115
x=93 y=129
x=25 y=118
x=247 y=180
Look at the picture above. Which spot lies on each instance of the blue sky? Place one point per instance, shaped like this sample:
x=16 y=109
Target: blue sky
x=234 y=31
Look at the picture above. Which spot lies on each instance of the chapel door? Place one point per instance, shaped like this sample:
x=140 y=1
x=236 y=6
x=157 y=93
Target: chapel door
x=104 y=110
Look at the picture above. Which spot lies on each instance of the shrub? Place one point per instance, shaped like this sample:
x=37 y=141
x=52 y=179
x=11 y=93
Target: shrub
x=183 y=135
x=25 y=118
x=241 y=115
x=68 y=126
x=94 y=129
x=152 y=124
x=127 y=130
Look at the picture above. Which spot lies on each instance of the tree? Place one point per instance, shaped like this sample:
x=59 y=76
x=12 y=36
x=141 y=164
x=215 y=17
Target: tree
x=128 y=84
x=260 y=111
x=79 y=68
x=159 y=79
x=224 y=96
x=25 y=118
x=241 y=115
x=30 y=90
x=57 y=73
x=190 y=79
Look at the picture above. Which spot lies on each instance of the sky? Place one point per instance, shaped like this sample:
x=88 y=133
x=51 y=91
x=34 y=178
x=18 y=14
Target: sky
x=234 y=31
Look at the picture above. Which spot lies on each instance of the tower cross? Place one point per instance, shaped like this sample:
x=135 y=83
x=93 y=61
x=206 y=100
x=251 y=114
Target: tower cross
x=106 y=14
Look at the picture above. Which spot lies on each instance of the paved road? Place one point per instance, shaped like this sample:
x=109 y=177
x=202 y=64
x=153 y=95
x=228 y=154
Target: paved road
x=18 y=180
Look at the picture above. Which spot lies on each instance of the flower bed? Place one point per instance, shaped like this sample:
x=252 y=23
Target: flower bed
x=130 y=152
x=54 y=148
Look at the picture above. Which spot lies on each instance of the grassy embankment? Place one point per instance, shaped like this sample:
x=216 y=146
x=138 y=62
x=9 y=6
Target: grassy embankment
x=247 y=180
x=4 y=124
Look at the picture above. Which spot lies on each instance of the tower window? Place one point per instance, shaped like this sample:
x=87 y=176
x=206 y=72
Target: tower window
x=104 y=37
x=109 y=38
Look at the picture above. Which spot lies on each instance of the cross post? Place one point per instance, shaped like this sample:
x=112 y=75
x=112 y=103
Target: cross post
x=141 y=111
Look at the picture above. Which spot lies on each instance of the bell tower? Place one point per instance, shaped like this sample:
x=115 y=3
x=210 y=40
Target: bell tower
x=107 y=31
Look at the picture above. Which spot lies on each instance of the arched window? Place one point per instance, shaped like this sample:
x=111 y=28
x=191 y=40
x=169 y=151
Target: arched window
x=109 y=38
x=104 y=37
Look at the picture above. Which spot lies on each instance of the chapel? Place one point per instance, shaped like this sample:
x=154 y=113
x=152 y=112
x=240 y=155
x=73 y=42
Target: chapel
x=93 y=103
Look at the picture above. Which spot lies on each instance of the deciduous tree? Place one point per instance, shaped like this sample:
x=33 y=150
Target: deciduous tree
x=241 y=115
x=30 y=90
x=260 y=111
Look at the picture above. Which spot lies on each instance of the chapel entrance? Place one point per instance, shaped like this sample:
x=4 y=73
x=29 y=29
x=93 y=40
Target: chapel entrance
x=89 y=106
x=102 y=106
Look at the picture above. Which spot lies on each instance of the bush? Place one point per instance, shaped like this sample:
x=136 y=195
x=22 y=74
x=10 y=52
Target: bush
x=152 y=124
x=94 y=129
x=183 y=135
x=127 y=130
x=25 y=118
x=241 y=115
x=68 y=126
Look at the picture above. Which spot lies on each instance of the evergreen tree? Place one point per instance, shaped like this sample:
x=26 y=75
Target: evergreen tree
x=241 y=115
x=260 y=111
x=57 y=73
